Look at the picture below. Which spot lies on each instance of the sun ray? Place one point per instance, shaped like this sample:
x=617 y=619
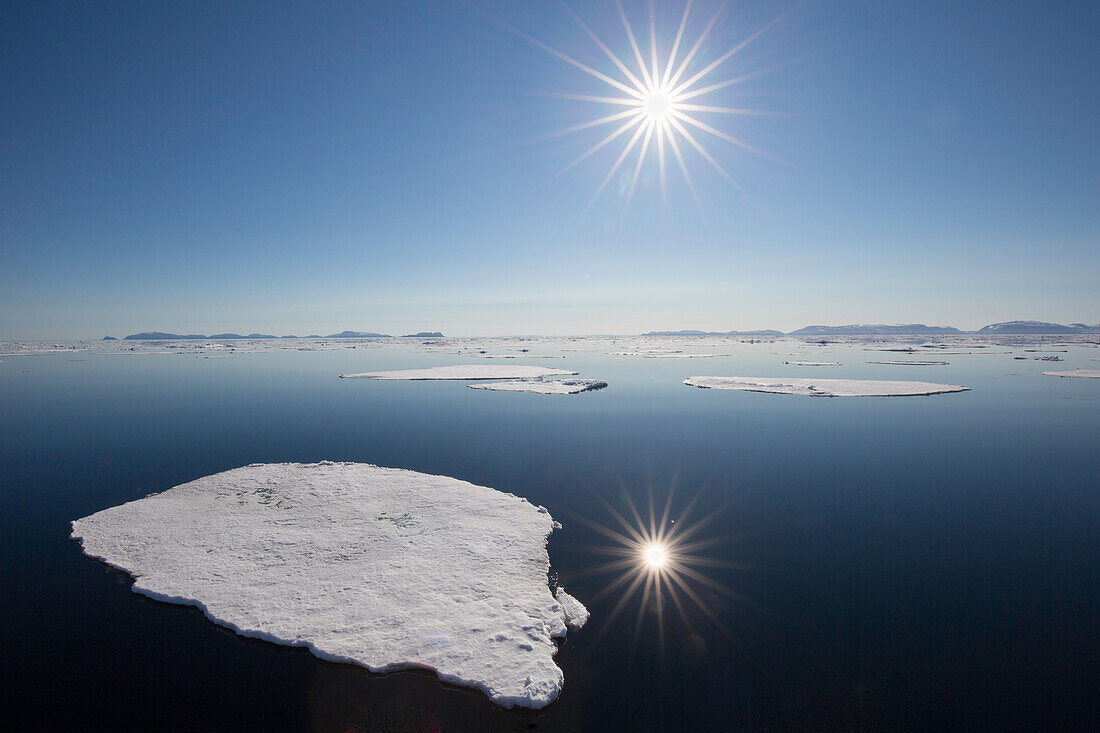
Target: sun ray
x=661 y=158
x=638 y=168
x=603 y=47
x=629 y=123
x=726 y=110
x=695 y=48
x=703 y=152
x=690 y=593
x=683 y=168
x=634 y=45
x=679 y=607
x=676 y=45
x=655 y=75
x=589 y=124
x=635 y=536
x=724 y=57
x=661 y=534
x=621 y=101
x=583 y=67
x=627 y=595
x=723 y=136
x=727 y=83
x=643 y=538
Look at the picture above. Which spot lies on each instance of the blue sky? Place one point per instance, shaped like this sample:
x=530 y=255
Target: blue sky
x=299 y=168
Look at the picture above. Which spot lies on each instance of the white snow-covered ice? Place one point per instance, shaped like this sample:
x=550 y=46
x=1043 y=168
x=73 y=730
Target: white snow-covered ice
x=381 y=567
x=813 y=363
x=544 y=385
x=576 y=615
x=1080 y=373
x=910 y=362
x=824 y=387
x=466 y=371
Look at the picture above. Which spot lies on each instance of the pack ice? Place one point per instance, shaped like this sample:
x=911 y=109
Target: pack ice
x=543 y=385
x=825 y=387
x=381 y=567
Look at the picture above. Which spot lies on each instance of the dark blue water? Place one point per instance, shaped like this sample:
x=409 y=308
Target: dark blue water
x=917 y=563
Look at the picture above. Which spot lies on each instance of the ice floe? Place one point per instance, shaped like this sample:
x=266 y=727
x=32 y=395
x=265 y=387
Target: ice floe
x=813 y=363
x=824 y=387
x=576 y=615
x=543 y=385
x=910 y=362
x=1081 y=373
x=381 y=567
x=466 y=371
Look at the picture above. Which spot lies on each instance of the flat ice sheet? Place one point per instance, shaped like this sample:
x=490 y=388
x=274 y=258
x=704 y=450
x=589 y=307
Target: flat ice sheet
x=544 y=385
x=910 y=362
x=381 y=567
x=466 y=371
x=824 y=387
x=1080 y=373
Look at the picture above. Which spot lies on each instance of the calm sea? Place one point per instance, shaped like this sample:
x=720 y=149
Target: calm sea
x=919 y=563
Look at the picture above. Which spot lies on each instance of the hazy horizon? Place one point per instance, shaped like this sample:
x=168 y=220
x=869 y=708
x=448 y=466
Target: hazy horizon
x=461 y=333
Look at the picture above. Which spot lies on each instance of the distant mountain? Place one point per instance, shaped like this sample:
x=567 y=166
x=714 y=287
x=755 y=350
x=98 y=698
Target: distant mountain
x=226 y=336
x=1024 y=327
x=424 y=335
x=160 y=336
x=863 y=329
x=109 y=338
x=692 y=332
x=358 y=335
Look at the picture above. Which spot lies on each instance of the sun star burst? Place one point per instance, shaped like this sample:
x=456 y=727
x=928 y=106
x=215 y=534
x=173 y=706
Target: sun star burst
x=661 y=95
x=658 y=557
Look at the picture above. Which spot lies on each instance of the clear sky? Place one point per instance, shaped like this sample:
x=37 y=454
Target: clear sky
x=311 y=167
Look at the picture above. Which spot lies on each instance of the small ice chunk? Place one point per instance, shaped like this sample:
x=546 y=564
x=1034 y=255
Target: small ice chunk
x=576 y=615
x=543 y=385
x=466 y=371
x=813 y=363
x=1080 y=373
x=824 y=387
x=381 y=567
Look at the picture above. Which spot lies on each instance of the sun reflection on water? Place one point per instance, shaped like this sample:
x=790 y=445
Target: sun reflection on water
x=657 y=559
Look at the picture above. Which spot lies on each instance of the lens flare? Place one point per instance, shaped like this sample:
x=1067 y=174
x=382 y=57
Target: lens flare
x=661 y=97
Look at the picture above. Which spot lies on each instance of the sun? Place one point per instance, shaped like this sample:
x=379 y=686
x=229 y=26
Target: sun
x=658 y=105
x=658 y=98
x=655 y=556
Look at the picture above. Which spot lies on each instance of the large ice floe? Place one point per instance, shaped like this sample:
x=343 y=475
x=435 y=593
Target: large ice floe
x=1081 y=373
x=544 y=385
x=824 y=387
x=380 y=567
x=466 y=371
